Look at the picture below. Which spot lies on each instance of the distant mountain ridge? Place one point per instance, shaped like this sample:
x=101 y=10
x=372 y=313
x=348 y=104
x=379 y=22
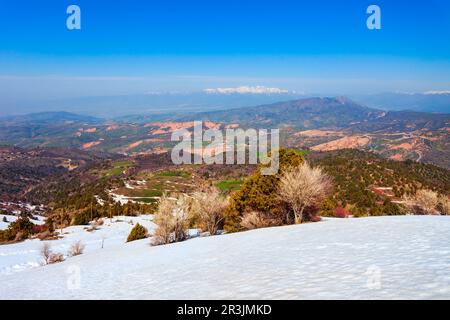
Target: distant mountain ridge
x=153 y=103
x=405 y=121
x=49 y=117
x=311 y=123
x=433 y=101
x=303 y=113
x=330 y=113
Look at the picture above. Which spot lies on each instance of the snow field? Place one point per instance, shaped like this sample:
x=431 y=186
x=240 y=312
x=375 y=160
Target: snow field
x=404 y=257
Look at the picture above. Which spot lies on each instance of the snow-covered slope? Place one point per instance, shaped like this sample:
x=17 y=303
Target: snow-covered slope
x=386 y=257
x=11 y=218
x=21 y=256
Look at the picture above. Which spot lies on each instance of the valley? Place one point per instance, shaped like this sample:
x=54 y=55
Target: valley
x=320 y=124
x=63 y=160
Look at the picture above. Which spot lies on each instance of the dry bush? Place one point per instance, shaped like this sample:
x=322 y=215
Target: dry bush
x=19 y=236
x=56 y=257
x=92 y=228
x=98 y=222
x=340 y=212
x=76 y=249
x=444 y=205
x=46 y=252
x=172 y=220
x=410 y=204
x=423 y=202
x=303 y=187
x=209 y=207
x=50 y=257
x=44 y=235
x=255 y=220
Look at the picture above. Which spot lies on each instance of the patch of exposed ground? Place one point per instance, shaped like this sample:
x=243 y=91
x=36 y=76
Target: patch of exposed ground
x=343 y=143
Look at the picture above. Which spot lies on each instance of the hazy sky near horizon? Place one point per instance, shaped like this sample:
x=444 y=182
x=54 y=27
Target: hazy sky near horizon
x=135 y=46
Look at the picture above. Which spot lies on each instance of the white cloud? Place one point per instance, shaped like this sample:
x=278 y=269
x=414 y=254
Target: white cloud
x=437 y=92
x=247 y=90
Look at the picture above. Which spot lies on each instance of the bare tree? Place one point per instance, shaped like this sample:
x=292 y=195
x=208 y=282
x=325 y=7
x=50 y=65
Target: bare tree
x=209 y=207
x=163 y=218
x=303 y=187
x=172 y=220
x=46 y=252
x=427 y=200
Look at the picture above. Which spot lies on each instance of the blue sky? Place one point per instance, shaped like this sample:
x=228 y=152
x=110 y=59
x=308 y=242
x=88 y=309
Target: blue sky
x=136 y=46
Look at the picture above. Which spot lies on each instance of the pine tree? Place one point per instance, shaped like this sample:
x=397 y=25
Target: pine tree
x=259 y=193
x=137 y=233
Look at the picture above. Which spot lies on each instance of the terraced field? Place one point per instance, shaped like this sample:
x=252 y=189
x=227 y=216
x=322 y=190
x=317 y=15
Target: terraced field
x=149 y=187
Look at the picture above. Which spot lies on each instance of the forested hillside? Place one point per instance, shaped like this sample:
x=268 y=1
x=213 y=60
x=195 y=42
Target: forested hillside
x=367 y=184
